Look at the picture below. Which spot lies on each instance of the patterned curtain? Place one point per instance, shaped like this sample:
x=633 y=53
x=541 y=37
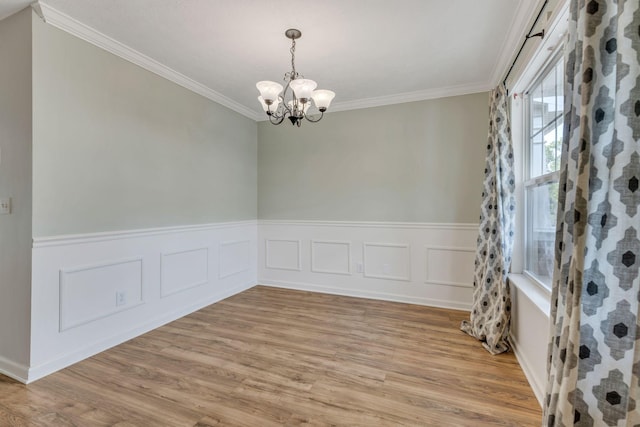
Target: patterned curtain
x=594 y=355
x=491 y=310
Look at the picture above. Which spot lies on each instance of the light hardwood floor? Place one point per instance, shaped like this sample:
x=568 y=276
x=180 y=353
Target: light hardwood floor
x=278 y=357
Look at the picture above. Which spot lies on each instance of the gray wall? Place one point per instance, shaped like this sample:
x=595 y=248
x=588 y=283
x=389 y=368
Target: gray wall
x=15 y=182
x=415 y=162
x=117 y=147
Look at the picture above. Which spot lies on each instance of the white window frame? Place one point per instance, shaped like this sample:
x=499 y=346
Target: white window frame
x=530 y=67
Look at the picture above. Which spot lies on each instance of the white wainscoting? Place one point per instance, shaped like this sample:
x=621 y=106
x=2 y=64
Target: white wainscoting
x=91 y=292
x=331 y=257
x=235 y=258
x=183 y=270
x=282 y=254
x=450 y=266
x=429 y=264
x=389 y=261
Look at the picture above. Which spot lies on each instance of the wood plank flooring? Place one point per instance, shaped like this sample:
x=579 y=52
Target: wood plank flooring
x=271 y=357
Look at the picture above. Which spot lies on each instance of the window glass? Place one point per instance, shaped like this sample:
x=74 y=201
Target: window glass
x=542 y=201
x=546 y=110
x=545 y=128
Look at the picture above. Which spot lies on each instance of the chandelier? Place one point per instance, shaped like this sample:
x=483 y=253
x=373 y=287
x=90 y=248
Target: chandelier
x=295 y=104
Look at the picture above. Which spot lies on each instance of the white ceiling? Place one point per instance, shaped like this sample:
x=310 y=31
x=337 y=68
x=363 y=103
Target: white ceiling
x=370 y=52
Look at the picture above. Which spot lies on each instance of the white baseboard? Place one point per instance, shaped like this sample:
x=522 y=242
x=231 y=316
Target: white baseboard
x=370 y=295
x=37 y=372
x=14 y=370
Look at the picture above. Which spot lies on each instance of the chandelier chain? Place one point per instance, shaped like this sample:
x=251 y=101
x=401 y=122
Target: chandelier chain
x=293 y=58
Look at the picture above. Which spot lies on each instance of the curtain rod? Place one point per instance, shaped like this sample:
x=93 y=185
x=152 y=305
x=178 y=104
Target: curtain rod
x=526 y=38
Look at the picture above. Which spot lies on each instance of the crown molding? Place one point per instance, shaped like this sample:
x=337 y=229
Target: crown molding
x=78 y=29
x=402 y=98
x=420 y=95
x=513 y=38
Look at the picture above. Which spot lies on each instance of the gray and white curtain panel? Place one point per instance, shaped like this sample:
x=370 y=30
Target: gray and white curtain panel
x=594 y=353
x=491 y=310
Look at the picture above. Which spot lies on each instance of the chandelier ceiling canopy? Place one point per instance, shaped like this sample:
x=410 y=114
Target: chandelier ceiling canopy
x=279 y=102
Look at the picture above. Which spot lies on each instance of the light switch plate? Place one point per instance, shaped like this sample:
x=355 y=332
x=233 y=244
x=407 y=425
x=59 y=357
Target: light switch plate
x=5 y=206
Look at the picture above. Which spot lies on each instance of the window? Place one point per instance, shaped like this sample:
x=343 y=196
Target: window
x=542 y=149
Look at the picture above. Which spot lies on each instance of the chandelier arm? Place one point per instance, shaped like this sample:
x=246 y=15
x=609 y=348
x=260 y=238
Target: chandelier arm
x=284 y=95
x=275 y=113
x=316 y=120
x=278 y=120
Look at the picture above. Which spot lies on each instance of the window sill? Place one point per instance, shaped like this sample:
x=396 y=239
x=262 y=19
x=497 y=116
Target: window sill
x=538 y=295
